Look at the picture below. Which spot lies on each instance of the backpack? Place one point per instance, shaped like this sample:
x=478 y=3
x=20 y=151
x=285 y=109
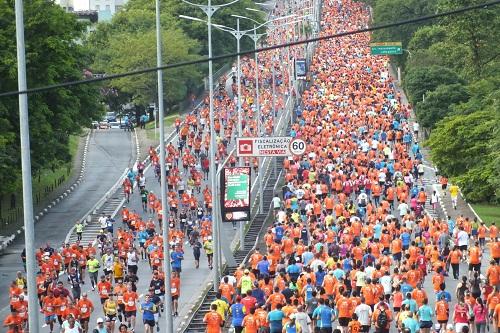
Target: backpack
x=382 y=319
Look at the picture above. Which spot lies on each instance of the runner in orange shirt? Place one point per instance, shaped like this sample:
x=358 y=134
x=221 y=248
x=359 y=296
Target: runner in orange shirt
x=13 y=322
x=213 y=320
x=49 y=310
x=86 y=308
x=130 y=300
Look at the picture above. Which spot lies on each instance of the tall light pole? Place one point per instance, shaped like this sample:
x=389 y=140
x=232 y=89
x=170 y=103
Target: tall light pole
x=24 y=128
x=209 y=10
x=255 y=37
x=238 y=34
x=169 y=324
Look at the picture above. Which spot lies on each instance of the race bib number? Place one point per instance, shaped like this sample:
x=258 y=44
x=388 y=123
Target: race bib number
x=63 y=308
x=83 y=309
x=131 y=303
x=157 y=291
x=104 y=291
x=173 y=290
x=120 y=298
x=49 y=309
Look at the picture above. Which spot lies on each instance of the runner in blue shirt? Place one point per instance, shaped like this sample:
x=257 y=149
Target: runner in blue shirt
x=425 y=314
x=176 y=259
x=148 y=309
x=275 y=319
x=237 y=311
x=324 y=316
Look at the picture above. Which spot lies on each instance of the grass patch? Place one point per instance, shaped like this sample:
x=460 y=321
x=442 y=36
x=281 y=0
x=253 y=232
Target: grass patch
x=489 y=213
x=43 y=184
x=49 y=179
x=150 y=127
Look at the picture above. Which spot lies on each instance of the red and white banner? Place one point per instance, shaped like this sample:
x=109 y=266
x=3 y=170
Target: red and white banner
x=266 y=146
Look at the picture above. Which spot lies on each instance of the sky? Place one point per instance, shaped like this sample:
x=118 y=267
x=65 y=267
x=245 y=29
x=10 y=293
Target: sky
x=81 y=4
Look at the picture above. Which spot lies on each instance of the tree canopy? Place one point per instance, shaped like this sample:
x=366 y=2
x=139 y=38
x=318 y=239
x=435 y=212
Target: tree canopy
x=54 y=54
x=455 y=63
x=128 y=43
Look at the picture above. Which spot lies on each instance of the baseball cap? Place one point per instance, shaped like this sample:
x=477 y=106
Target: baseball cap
x=246 y=271
x=100 y=320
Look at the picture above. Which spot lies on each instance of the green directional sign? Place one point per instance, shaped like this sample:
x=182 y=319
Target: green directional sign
x=388 y=48
x=237 y=187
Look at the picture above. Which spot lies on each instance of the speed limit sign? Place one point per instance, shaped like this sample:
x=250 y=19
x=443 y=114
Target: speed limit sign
x=297 y=147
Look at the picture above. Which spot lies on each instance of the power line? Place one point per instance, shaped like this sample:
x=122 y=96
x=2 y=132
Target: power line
x=247 y=52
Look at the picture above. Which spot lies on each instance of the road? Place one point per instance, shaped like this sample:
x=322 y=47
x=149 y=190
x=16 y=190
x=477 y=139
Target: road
x=109 y=153
x=193 y=280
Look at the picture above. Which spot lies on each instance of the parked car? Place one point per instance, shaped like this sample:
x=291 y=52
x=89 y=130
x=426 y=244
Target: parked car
x=104 y=125
x=114 y=124
x=110 y=117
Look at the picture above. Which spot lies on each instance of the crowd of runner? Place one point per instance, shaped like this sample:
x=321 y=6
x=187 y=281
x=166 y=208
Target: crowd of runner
x=351 y=246
x=109 y=266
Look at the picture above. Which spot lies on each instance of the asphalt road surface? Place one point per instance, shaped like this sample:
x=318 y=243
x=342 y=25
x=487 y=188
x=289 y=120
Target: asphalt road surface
x=109 y=153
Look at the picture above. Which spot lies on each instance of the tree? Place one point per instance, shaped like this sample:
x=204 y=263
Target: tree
x=425 y=36
x=439 y=102
x=478 y=31
x=198 y=30
x=465 y=149
x=53 y=55
x=420 y=80
x=131 y=51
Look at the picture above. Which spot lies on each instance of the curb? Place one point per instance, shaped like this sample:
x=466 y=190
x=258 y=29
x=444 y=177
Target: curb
x=43 y=211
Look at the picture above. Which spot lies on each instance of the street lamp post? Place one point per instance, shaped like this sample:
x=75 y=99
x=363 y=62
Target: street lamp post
x=238 y=34
x=256 y=38
x=29 y=232
x=209 y=10
x=169 y=324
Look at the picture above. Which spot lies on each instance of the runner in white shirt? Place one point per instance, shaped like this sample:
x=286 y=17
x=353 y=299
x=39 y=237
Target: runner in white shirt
x=364 y=313
x=403 y=209
x=386 y=282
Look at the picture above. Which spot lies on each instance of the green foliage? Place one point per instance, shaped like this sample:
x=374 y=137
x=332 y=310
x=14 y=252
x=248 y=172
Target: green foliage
x=420 y=80
x=425 y=36
x=476 y=30
x=455 y=63
x=53 y=54
x=128 y=43
x=439 y=103
x=462 y=148
x=131 y=51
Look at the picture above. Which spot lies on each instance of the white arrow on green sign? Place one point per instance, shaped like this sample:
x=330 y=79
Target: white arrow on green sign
x=387 y=48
